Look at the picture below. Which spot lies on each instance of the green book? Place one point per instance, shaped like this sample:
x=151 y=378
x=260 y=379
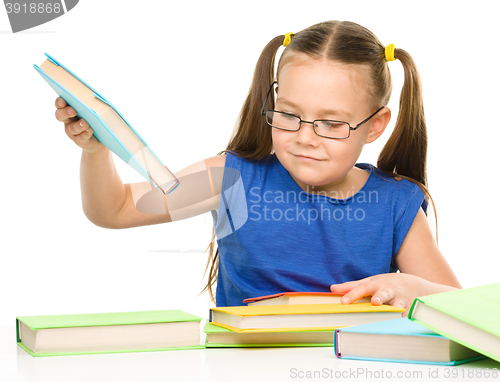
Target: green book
x=217 y=337
x=467 y=316
x=95 y=333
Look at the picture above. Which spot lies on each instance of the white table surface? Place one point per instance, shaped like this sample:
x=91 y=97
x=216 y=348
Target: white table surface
x=228 y=364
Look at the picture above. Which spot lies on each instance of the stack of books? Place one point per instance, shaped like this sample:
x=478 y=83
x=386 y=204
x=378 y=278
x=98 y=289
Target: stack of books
x=446 y=328
x=288 y=322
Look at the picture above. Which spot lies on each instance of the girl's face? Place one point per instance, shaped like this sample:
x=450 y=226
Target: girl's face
x=321 y=89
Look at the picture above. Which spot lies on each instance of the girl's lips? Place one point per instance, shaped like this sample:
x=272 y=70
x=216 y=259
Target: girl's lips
x=307 y=159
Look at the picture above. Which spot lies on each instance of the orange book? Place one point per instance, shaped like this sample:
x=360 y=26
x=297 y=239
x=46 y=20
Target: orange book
x=297 y=298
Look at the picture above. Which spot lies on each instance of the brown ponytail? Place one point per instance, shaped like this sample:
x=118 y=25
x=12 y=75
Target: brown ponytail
x=405 y=152
x=251 y=138
x=212 y=267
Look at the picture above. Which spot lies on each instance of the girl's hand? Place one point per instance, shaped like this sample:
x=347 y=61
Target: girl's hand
x=396 y=289
x=78 y=130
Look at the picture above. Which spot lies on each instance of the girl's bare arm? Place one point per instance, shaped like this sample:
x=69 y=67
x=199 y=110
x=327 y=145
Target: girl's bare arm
x=109 y=203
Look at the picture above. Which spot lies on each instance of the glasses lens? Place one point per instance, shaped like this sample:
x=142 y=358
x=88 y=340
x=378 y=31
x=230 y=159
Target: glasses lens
x=282 y=120
x=332 y=129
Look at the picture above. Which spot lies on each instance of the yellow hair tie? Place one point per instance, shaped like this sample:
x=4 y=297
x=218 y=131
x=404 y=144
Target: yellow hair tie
x=389 y=52
x=288 y=38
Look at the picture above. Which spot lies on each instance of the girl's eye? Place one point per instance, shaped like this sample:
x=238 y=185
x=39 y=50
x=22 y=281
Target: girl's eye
x=332 y=125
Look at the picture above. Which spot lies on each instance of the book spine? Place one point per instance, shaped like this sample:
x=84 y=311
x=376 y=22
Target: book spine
x=53 y=60
x=412 y=309
x=336 y=343
x=17 y=331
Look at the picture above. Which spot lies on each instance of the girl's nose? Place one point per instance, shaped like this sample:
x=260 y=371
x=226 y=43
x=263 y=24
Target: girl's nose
x=306 y=134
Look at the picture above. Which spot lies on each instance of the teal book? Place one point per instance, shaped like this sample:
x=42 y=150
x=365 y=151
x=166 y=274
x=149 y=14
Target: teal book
x=95 y=333
x=217 y=337
x=400 y=340
x=469 y=316
x=109 y=125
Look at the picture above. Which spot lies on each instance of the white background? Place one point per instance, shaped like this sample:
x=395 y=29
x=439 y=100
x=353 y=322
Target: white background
x=179 y=72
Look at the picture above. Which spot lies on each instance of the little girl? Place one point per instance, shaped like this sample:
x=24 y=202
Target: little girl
x=292 y=209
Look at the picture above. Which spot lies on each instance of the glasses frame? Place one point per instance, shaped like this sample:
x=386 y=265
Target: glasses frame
x=301 y=121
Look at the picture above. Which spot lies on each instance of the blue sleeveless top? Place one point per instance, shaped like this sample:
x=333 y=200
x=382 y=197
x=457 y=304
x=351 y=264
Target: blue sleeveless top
x=274 y=237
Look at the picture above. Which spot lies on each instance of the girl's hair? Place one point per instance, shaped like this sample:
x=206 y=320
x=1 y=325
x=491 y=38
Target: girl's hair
x=404 y=154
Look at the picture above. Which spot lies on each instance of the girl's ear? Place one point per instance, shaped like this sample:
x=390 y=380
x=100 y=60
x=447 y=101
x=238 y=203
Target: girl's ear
x=379 y=123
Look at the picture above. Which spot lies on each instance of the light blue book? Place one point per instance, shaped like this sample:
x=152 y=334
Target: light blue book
x=400 y=340
x=110 y=127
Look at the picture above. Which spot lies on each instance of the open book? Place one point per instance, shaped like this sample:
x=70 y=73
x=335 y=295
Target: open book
x=110 y=127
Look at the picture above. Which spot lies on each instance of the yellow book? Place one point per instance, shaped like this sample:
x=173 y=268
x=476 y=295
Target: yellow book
x=275 y=318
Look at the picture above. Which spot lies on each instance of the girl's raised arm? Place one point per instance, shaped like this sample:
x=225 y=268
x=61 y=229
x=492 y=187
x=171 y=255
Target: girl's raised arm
x=109 y=203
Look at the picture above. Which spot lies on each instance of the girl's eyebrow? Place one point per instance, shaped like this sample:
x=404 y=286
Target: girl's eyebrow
x=286 y=102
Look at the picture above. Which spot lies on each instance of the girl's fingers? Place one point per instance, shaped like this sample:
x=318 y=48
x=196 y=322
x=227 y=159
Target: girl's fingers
x=356 y=293
x=65 y=114
x=77 y=127
x=388 y=297
x=405 y=313
x=383 y=296
x=399 y=303
x=84 y=137
x=345 y=287
x=60 y=103
x=351 y=290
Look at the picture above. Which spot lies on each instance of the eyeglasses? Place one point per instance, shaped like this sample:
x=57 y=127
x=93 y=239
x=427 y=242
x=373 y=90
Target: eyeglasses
x=323 y=127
